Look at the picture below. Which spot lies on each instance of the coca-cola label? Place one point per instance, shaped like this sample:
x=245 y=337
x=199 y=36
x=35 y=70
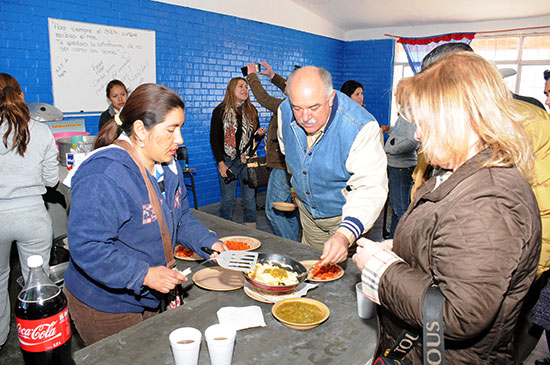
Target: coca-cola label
x=44 y=334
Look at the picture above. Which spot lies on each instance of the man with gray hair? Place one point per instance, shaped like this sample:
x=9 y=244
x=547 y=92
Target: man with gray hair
x=333 y=150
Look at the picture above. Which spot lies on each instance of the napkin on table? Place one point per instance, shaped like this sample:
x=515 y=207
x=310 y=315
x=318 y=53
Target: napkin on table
x=241 y=318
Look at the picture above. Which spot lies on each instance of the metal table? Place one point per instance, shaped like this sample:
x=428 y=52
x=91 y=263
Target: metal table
x=343 y=339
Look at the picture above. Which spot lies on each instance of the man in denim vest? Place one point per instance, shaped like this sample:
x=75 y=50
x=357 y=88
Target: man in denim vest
x=333 y=150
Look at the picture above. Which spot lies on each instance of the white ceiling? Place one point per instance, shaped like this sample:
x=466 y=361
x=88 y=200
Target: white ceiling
x=371 y=19
x=362 y=14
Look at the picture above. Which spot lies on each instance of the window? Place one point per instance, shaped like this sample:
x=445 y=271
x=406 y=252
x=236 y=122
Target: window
x=527 y=53
x=401 y=69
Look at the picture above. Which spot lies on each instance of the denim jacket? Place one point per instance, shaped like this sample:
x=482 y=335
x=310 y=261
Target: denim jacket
x=344 y=172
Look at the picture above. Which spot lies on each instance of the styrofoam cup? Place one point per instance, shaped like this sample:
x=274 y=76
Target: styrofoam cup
x=366 y=308
x=221 y=341
x=186 y=344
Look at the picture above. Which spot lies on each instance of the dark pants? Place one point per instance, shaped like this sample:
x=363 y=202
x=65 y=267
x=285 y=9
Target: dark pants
x=527 y=335
x=401 y=182
x=94 y=325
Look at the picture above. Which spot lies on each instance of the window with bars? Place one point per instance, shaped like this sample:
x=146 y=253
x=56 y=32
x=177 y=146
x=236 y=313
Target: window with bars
x=527 y=53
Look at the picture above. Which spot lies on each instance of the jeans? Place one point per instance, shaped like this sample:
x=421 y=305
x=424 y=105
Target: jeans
x=285 y=224
x=401 y=182
x=248 y=200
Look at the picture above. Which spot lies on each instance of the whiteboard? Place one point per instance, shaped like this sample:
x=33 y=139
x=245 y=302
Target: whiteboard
x=85 y=57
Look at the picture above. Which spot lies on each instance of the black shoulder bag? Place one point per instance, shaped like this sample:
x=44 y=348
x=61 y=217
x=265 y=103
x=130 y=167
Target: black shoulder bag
x=432 y=335
x=256 y=168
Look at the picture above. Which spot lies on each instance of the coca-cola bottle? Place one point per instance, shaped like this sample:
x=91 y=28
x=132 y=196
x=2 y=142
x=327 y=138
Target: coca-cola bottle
x=42 y=319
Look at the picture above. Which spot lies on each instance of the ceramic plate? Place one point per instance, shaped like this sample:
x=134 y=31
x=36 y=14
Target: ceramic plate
x=301 y=326
x=268 y=297
x=193 y=257
x=308 y=263
x=285 y=207
x=252 y=242
x=218 y=279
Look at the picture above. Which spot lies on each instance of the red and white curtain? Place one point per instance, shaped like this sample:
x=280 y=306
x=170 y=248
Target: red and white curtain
x=417 y=48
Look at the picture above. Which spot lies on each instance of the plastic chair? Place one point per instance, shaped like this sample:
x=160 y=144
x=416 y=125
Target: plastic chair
x=183 y=157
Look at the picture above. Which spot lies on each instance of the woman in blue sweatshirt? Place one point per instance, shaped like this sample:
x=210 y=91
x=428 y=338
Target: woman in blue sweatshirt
x=118 y=268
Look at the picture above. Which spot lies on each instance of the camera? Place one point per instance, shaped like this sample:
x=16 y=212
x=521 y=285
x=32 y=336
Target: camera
x=229 y=178
x=244 y=69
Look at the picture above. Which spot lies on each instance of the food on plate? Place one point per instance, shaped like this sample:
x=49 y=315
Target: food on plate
x=299 y=312
x=270 y=274
x=237 y=245
x=182 y=251
x=326 y=272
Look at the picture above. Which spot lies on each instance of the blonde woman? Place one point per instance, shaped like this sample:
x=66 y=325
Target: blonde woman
x=234 y=123
x=473 y=230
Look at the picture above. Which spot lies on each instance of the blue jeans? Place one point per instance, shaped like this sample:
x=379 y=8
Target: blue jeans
x=400 y=193
x=248 y=200
x=285 y=224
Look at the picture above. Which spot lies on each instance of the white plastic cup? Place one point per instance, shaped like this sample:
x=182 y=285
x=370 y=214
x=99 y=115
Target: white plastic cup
x=185 y=343
x=366 y=308
x=221 y=341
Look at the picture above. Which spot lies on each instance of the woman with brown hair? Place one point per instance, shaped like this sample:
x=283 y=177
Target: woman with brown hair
x=28 y=160
x=129 y=208
x=473 y=230
x=233 y=126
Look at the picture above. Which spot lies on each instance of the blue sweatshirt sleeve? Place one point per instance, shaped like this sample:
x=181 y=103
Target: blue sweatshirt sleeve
x=98 y=209
x=192 y=233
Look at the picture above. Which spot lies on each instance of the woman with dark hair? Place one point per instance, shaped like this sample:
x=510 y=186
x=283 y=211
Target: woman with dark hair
x=117 y=93
x=234 y=123
x=28 y=157
x=123 y=226
x=354 y=90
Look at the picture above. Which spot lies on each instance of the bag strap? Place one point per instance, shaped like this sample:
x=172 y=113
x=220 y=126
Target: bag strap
x=433 y=341
x=432 y=332
x=155 y=202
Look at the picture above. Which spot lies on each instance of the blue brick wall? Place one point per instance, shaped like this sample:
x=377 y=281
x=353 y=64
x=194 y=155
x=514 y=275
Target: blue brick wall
x=197 y=54
x=371 y=63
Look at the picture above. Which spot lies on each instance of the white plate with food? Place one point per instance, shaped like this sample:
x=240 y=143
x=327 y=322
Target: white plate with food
x=323 y=273
x=241 y=243
x=183 y=253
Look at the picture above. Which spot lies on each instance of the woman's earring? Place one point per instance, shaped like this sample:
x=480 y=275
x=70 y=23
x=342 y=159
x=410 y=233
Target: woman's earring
x=142 y=145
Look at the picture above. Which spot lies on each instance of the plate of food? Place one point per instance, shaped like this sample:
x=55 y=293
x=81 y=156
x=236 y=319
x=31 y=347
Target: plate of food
x=276 y=273
x=218 y=279
x=241 y=243
x=270 y=296
x=323 y=273
x=183 y=253
x=300 y=313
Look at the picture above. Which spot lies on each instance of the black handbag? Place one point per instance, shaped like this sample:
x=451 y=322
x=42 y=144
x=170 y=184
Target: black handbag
x=258 y=172
x=432 y=335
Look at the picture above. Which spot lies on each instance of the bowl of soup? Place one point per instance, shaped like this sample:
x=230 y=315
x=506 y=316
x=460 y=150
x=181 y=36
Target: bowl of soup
x=300 y=313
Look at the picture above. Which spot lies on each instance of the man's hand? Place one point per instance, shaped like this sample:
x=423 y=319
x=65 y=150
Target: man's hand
x=335 y=250
x=261 y=131
x=222 y=169
x=162 y=279
x=267 y=70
